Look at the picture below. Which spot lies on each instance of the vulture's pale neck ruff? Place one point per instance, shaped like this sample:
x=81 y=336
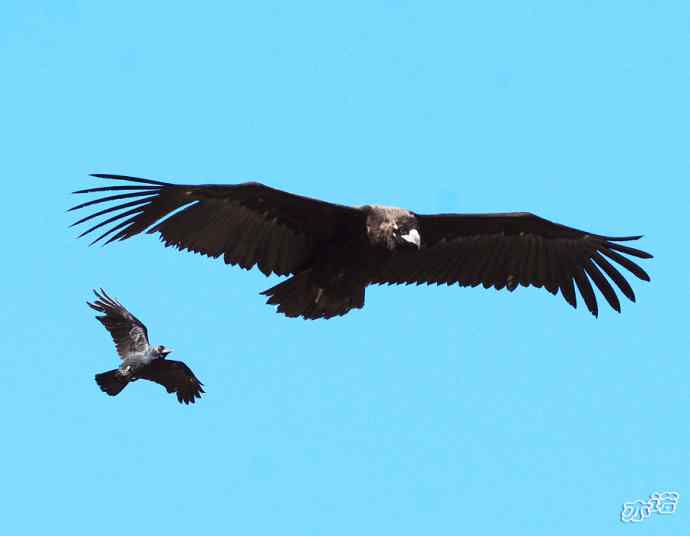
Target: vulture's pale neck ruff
x=392 y=227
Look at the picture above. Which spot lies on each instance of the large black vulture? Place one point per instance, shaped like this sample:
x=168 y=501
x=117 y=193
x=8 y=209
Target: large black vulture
x=334 y=251
x=140 y=360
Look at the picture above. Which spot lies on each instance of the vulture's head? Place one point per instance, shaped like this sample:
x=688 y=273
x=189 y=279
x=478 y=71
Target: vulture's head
x=163 y=351
x=393 y=228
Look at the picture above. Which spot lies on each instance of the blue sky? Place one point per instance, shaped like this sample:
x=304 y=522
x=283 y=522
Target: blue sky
x=432 y=410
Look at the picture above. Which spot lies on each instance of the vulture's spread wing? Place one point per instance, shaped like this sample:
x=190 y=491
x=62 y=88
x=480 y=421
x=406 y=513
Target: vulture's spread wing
x=247 y=223
x=128 y=332
x=175 y=376
x=507 y=250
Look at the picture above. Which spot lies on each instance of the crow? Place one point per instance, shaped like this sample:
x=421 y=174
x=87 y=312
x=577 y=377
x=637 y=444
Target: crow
x=333 y=252
x=140 y=360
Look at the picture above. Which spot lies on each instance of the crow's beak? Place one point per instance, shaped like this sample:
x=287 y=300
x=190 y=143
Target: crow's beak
x=413 y=237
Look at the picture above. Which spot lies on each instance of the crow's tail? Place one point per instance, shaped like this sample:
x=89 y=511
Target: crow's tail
x=112 y=382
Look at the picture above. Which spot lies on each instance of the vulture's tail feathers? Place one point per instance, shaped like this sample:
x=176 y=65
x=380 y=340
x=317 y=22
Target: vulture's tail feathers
x=112 y=382
x=299 y=296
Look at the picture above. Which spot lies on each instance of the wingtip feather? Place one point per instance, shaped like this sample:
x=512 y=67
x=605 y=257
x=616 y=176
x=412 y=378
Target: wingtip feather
x=114 y=177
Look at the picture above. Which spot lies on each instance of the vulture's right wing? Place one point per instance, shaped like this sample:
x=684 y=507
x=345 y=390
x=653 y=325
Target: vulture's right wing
x=247 y=223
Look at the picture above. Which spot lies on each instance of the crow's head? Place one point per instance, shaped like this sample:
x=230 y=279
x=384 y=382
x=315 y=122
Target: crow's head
x=163 y=351
x=392 y=227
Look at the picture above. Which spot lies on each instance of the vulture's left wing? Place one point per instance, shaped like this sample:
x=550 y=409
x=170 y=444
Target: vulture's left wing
x=248 y=224
x=511 y=249
x=175 y=376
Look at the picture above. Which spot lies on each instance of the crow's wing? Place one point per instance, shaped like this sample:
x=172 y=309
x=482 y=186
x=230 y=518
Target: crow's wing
x=175 y=376
x=511 y=249
x=248 y=224
x=128 y=332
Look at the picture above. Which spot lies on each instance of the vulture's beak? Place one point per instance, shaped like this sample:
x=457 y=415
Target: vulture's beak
x=413 y=237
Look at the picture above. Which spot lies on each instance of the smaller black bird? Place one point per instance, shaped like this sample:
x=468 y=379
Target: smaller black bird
x=140 y=360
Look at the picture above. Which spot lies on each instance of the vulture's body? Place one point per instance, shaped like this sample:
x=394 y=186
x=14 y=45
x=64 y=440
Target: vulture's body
x=334 y=279
x=332 y=252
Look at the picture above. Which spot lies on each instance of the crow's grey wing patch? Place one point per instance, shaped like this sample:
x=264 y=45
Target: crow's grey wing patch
x=128 y=332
